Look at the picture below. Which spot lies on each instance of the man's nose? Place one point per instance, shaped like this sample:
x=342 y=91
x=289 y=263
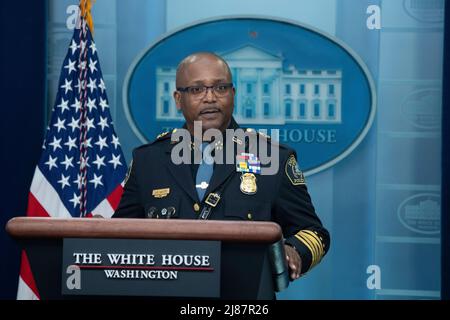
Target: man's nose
x=209 y=95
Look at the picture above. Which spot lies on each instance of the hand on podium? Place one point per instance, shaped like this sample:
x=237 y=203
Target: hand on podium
x=294 y=262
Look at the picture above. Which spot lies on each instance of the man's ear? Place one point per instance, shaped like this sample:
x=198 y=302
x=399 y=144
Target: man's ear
x=177 y=98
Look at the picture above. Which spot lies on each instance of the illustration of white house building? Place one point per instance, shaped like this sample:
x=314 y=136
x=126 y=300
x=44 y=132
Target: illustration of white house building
x=266 y=93
x=428 y=210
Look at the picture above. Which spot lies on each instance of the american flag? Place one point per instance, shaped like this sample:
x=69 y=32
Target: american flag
x=82 y=167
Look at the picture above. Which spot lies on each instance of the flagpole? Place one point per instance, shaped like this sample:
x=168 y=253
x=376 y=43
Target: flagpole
x=85 y=10
x=86 y=20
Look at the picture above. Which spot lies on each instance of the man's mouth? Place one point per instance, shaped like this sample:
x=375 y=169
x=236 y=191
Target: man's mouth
x=209 y=111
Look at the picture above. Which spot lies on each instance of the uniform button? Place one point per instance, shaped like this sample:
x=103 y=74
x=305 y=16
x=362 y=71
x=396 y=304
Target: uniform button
x=196 y=207
x=249 y=216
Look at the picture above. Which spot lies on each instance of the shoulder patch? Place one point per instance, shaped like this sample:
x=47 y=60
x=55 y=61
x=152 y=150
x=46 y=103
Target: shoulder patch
x=128 y=173
x=293 y=172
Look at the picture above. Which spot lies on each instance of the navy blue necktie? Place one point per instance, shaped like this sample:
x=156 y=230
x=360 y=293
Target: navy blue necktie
x=205 y=170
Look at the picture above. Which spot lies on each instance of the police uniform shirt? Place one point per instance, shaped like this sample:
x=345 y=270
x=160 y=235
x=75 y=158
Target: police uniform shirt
x=155 y=185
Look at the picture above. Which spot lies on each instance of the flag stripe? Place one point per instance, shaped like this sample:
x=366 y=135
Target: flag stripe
x=24 y=292
x=104 y=209
x=34 y=207
x=114 y=197
x=47 y=196
x=27 y=288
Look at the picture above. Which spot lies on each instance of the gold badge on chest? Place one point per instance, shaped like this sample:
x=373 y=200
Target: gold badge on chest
x=248 y=183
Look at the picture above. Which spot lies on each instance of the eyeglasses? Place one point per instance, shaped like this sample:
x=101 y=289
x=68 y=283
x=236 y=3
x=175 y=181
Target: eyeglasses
x=220 y=90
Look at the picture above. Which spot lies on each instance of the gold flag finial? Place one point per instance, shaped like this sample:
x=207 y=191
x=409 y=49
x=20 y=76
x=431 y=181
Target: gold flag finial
x=85 y=8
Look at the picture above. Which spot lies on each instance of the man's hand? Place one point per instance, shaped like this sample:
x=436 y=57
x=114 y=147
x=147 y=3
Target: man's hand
x=294 y=262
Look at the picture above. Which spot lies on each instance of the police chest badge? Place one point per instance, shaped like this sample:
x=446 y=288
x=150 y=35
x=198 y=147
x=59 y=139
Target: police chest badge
x=248 y=183
x=293 y=172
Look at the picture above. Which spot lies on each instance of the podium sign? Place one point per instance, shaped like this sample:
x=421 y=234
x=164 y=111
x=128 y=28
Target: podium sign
x=134 y=267
x=152 y=257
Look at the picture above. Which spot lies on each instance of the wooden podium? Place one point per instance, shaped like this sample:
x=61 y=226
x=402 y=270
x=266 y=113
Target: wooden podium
x=252 y=253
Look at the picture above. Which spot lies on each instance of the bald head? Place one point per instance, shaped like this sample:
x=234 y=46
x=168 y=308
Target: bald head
x=202 y=58
x=213 y=108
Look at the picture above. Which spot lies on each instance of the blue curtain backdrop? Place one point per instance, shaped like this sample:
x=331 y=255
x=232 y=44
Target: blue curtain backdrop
x=397 y=165
x=23 y=104
x=445 y=282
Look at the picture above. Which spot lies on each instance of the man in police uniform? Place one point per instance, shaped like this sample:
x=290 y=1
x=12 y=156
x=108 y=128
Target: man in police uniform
x=156 y=187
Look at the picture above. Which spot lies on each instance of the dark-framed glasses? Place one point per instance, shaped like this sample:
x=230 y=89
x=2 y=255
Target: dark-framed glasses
x=220 y=90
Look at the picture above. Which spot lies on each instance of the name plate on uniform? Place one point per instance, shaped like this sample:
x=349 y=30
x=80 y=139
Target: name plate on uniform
x=130 y=267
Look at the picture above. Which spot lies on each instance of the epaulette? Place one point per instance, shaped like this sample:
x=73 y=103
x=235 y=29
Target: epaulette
x=251 y=130
x=264 y=135
x=162 y=136
x=268 y=138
